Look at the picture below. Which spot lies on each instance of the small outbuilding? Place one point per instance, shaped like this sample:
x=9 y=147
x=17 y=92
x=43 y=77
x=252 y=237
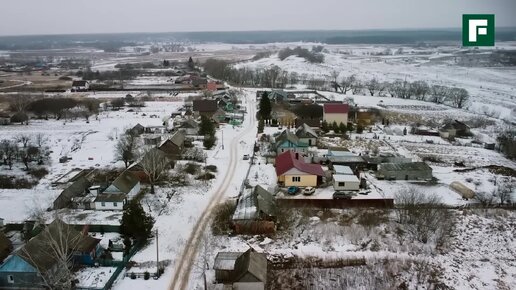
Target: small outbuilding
x=404 y=171
x=346 y=182
x=246 y=270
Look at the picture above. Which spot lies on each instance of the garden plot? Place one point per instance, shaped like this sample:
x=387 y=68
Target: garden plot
x=94 y=277
x=481 y=240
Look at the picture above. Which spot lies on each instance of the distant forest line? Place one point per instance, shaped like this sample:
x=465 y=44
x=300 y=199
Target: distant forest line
x=112 y=42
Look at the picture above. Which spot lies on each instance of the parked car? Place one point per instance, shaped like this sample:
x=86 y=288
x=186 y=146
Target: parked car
x=246 y=157
x=308 y=190
x=364 y=192
x=342 y=195
x=292 y=190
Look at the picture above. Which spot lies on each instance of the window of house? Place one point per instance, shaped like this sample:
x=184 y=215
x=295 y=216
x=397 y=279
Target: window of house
x=342 y=183
x=114 y=204
x=10 y=279
x=103 y=204
x=296 y=178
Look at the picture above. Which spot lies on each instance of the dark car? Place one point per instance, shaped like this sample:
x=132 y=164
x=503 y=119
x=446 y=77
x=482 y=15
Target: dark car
x=292 y=190
x=342 y=195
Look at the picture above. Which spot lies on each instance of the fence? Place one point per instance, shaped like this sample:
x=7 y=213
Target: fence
x=334 y=203
x=120 y=265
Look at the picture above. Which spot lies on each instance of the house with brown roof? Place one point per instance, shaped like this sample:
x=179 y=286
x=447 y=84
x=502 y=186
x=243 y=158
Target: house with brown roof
x=247 y=270
x=37 y=263
x=306 y=135
x=255 y=212
x=5 y=246
x=173 y=147
x=205 y=107
x=335 y=112
x=292 y=170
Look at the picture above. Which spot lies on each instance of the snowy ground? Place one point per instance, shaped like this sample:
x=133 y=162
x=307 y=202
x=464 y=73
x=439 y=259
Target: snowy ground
x=492 y=88
x=187 y=204
x=87 y=144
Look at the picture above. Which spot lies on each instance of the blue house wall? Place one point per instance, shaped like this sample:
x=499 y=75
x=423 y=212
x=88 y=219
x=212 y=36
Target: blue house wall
x=16 y=273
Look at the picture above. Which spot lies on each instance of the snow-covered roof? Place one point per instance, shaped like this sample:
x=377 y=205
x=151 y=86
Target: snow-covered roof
x=345 y=178
x=342 y=169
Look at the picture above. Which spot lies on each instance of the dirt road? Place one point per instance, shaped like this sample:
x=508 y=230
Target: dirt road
x=186 y=261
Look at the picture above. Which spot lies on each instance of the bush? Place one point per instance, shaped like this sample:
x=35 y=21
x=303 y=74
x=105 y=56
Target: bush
x=65 y=78
x=11 y=182
x=206 y=176
x=211 y=168
x=191 y=168
x=372 y=218
x=38 y=173
x=222 y=214
x=209 y=142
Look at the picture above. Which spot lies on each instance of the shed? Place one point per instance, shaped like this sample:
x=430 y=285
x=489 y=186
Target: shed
x=342 y=169
x=224 y=266
x=246 y=270
x=404 y=171
x=345 y=182
x=255 y=212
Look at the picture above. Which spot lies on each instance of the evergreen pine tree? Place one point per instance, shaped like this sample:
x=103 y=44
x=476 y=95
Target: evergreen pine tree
x=265 y=107
x=136 y=224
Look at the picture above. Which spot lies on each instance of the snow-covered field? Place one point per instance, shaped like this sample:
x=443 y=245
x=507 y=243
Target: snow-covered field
x=492 y=89
x=87 y=144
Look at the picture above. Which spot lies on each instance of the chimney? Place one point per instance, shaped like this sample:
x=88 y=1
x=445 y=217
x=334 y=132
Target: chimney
x=85 y=230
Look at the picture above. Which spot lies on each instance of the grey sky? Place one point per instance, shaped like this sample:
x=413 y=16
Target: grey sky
x=104 y=16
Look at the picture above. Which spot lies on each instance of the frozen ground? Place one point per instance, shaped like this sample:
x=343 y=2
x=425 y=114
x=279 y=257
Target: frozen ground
x=182 y=212
x=87 y=144
x=491 y=88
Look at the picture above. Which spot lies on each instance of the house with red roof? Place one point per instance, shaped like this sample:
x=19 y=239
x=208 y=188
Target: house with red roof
x=292 y=170
x=336 y=112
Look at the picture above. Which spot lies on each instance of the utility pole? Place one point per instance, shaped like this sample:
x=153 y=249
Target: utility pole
x=222 y=139
x=157 y=255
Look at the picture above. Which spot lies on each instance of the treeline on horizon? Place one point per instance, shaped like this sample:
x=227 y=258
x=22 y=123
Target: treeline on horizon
x=114 y=41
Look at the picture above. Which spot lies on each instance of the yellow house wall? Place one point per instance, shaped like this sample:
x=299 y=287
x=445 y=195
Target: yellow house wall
x=338 y=118
x=306 y=180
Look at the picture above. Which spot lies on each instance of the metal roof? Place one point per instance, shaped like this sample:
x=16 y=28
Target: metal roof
x=226 y=260
x=411 y=166
x=345 y=178
x=342 y=169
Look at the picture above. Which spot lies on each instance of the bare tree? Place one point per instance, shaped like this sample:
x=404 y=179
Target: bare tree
x=347 y=83
x=439 y=94
x=154 y=163
x=504 y=188
x=9 y=150
x=52 y=252
x=125 y=148
x=334 y=80
x=40 y=140
x=372 y=86
x=458 y=97
x=419 y=89
x=24 y=139
x=423 y=216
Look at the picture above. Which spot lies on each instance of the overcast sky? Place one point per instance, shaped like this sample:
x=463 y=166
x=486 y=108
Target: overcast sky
x=105 y=16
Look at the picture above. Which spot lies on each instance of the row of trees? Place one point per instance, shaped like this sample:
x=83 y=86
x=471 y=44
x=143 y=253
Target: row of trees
x=56 y=107
x=314 y=56
x=23 y=148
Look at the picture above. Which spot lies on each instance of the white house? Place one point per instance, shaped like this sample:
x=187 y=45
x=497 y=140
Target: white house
x=80 y=86
x=126 y=183
x=346 y=182
x=110 y=201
